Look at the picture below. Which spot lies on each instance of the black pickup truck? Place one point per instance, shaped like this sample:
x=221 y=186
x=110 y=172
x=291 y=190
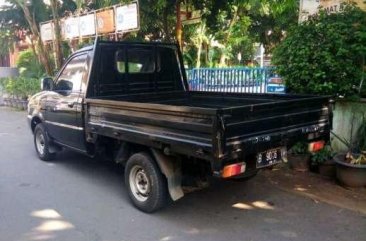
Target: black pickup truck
x=130 y=102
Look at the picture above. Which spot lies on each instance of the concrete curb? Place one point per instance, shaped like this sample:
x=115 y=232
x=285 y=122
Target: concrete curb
x=318 y=188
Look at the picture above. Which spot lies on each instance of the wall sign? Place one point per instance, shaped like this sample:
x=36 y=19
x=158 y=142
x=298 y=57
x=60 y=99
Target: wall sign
x=105 y=21
x=47 y=33
x=71 y=28
x=127 y=18
x=311 y=7
x=117 y=18
x=87 y=25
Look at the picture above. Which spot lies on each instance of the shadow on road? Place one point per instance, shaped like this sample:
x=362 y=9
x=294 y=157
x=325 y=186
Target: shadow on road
x=220 y=197
x=231 y=194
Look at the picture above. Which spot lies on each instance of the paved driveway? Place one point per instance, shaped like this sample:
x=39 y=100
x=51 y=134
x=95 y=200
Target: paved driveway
x=77 y=198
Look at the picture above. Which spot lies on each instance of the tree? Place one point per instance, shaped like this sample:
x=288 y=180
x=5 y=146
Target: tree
x=157 y=20
x=58 y=38
x=270 y=20
x=19 y=16
x=7 y=39
x=29 y=14
x=326 y=54
x=25 y=17
x=263 y=21
x=228 y=24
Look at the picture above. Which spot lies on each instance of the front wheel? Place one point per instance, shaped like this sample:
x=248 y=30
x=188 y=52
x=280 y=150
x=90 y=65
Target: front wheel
x=42 y=143
x=146 y=185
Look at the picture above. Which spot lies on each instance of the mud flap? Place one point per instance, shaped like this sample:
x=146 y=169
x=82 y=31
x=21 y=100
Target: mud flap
x=171 y=168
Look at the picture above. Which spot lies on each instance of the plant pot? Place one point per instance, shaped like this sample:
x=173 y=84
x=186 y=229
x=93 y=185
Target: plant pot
x=349 y=174
x=299 y=162
x=327 y=169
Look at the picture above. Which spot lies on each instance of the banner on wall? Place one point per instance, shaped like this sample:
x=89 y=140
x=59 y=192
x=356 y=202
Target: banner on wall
x=87 y=25
x=47 y=33
x=126 y=18
x=105 y=21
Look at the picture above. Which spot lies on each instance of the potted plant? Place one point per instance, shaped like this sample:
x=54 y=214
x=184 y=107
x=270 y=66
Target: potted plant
x=351 y=166
x=299 y=157
x=323 y=159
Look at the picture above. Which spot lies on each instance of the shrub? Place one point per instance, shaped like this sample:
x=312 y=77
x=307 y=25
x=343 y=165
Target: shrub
x=3 y=82
x=322 y=156
x=300 y=148
x=22 y=87
x=324 y=55
x=29 y=65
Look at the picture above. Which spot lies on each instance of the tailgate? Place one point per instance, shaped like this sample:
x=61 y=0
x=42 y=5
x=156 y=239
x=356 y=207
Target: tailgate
x=258 y=127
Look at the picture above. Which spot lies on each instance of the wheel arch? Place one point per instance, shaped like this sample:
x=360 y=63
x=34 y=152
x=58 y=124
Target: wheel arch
x=171 y=168
x=34 y=122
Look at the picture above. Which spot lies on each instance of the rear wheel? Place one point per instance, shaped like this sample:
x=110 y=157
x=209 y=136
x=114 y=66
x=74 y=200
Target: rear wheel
x=42 y=143
x=146 y=185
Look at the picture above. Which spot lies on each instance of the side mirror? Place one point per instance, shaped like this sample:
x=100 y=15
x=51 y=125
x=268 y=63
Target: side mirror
x=47 y=83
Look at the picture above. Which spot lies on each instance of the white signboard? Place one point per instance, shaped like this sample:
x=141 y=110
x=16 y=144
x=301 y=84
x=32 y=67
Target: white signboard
x=307 y=8
x=47 y=33
x=71 y=28
x=311 y=7
x=127 y=18
x=87 y=25
x=117 y=18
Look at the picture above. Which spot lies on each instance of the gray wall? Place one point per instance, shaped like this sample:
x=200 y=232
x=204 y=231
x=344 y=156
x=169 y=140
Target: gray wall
x=8 y=72
x=346 y=121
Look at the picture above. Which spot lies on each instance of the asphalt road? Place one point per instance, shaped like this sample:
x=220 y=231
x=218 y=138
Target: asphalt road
x=78 y=198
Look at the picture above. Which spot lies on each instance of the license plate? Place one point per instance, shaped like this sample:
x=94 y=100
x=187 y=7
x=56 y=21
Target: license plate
x=269 y=157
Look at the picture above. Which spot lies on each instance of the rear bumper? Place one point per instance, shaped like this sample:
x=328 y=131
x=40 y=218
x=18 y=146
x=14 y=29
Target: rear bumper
x=245 y=150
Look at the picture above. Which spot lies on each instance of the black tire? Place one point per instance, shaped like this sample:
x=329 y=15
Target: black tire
x=42 y=143
x=146 y=185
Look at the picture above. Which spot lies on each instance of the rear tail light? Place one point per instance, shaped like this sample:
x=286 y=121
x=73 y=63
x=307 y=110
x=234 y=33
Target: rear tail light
x=233 y=169
x=316 y=146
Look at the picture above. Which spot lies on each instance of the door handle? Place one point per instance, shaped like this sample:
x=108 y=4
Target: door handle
x=71 y=104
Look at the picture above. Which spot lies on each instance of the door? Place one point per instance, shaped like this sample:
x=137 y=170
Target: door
x=63 y=108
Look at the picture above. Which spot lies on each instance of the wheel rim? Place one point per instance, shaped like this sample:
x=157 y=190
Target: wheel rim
x=139 y=183
x=40 y=142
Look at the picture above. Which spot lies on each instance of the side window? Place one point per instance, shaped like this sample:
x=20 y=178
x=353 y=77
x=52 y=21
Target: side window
x=72 y=75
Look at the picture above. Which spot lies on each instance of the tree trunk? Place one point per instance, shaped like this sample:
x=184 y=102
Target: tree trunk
x=178 y=27
x=199 y=50
x=222 y=60
x=199 y=44
x=34 y=28
x=165 y=24
x=33 y=46
x=56 y=21
x=227 y=36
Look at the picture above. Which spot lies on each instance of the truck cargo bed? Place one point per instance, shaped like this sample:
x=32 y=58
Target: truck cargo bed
x=211 y=126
